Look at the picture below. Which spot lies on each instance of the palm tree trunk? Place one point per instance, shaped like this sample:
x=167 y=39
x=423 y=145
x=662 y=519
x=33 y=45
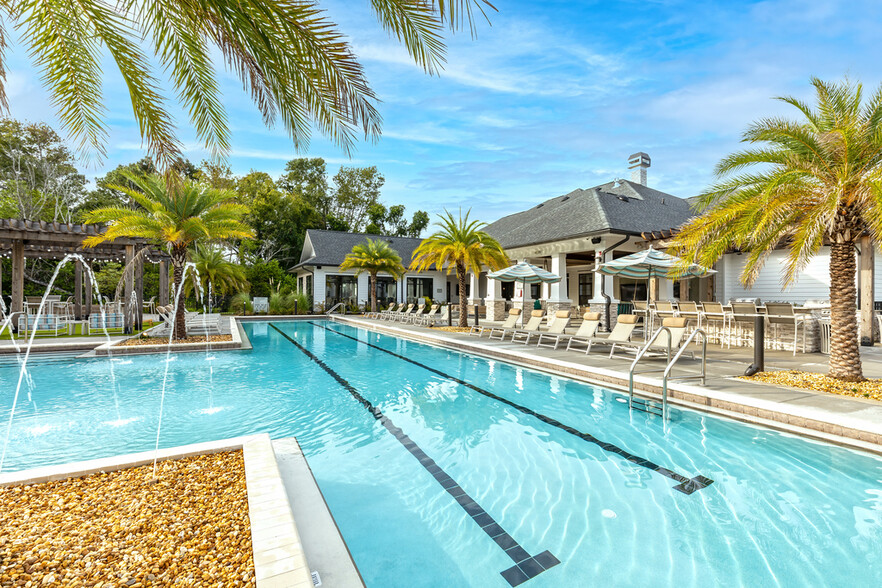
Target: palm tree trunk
x=845 y=356
x=179 y=259
x=373 y=292
x=463 y=303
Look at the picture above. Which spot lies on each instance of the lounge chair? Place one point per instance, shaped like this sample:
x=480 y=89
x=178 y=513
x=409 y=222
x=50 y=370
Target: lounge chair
x=621 y=333
x=401 y=313
x=111 y=321
x=425 y=319
x=442 y=318
x=49 y=324
x=510 y=322
x=555 y=329
x=676 y=329
x=532 y=325
x=414 y=314
x=388 y=312
x=204 y=324
x=532 y=328
x=588 y=328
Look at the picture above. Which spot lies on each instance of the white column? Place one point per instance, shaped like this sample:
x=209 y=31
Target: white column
x=560 y=289
x=474 y=291
x=494 y=289
x=597 y=280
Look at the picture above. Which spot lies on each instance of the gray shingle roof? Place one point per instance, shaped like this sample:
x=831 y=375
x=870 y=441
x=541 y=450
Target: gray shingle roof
x=331 y=247
x=628 y=207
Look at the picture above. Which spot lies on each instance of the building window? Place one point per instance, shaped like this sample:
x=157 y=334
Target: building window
x=535 y=291
x=586 y=288
x=632 y=289
x=468 y=289
x=341 y=289
x=419 y=288
x=386 y=290
x=309 y=285
x=507 y=290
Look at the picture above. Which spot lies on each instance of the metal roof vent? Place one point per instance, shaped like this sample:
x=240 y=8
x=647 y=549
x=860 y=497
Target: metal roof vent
x=565 y=198
x=540 y=205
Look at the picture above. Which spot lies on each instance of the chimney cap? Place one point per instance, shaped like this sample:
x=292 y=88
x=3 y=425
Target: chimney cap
x=639 y=159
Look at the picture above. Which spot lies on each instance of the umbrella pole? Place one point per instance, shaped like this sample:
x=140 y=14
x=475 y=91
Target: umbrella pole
x=523 y=302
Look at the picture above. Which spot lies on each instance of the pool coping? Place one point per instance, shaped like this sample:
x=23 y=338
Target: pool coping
x=803 y=421
x=279 y=557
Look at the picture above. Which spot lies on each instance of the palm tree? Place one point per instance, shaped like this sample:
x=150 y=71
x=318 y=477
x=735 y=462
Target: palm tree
x=223 y=275
x=373 y=257
x=460 y=244
x=810 y=182
x=174 y=217
x=293 y=61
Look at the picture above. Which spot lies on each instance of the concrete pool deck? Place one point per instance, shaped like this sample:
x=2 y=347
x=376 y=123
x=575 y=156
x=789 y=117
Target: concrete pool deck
x=840 y=419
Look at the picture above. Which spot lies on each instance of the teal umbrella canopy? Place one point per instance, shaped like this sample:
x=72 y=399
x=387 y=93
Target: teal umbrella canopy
x=526 y=273
x=651 y=263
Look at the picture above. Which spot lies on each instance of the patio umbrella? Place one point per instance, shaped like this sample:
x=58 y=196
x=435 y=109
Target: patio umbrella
x=526 y=274
x=651 y=263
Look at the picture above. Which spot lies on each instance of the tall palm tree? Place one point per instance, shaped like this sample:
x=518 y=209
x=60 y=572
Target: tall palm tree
x=810 y=182
x=223 y=275
x=174 y=217
x=293 y=61
x=459 y=244
x=373 y=257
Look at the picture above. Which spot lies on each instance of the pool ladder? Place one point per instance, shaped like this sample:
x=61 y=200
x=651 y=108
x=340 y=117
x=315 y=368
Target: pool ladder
x=645 y=404
x=335 y=307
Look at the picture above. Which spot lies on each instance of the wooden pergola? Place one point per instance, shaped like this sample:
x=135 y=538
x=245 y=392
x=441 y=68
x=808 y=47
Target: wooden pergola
x=21 y=239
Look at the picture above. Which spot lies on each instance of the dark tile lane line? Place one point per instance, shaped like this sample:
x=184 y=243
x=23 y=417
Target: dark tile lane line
x=526 y=566
x=686 y=485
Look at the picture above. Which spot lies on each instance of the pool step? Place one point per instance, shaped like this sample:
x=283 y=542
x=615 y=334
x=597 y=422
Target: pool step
x=37 y=358
x=646 y=405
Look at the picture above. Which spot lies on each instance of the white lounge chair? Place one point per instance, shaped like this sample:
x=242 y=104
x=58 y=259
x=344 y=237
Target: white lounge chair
x=676 y=329
x=442 y=318
x=425 y=319
x=555 y=329
x=532 y=325
x=588 y=328
x=402 y=315
x=414 y=314
x=510 y=322
x=532 y=328
x=621 y=333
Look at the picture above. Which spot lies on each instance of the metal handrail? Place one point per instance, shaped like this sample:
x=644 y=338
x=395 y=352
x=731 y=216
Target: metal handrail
x=335 y=307
x=637 y=359
x=666 y=374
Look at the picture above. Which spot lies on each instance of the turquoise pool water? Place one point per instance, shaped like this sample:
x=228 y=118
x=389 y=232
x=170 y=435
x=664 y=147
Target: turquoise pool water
x=563 y=468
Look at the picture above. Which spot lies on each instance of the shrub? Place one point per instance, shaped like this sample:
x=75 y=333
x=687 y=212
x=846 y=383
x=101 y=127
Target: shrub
x=241 y=303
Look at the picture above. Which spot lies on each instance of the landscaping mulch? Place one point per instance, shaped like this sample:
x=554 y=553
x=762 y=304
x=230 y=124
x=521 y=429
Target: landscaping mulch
x=871 y=389
x=164 y=340
x=190 y=527
x=454 y=329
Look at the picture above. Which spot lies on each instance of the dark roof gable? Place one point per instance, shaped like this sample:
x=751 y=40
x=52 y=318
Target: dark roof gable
x=623 y=207
x=331 y=247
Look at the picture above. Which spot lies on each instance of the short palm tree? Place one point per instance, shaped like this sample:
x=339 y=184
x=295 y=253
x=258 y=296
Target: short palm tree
x=223 y=275
x=810 y=182
x=374 y=256
x=292 y=60
x=459 y=244
x=174 y=216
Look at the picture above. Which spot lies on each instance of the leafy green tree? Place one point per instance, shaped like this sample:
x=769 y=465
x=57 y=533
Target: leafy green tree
x=356 y=190
x=808 y=182
x=292 y=60
x=268 y=277
x=217 y=175
x=175 y=218
x=307 y=178
x=391 y=221
x=279 y=220
x=459 y=244
x=374 y=257
x=38 y=176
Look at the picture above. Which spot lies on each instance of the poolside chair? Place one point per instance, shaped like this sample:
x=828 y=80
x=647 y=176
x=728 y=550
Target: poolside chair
x=676 y=329
x=402 y=315
x=590 y=322
x=555 y=329
x=532 y=325
x=689 y=311
x=713 y=313
x=204 y=324
x=743 y=318
x=48 y=325
x=111 y=321
x=442 y=318
x=510 y=322
x=781 y=314
x=527 y=333
x=385 y=313
x=414 y=314
x=621 y=333
x=425 y=319
x=150 y=305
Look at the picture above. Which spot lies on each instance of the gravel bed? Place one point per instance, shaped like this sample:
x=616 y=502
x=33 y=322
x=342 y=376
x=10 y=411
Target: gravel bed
x=871 y=389
x=164 y=340
x=189 y=527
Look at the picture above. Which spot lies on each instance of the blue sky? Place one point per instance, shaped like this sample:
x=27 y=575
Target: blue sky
x=553 y=96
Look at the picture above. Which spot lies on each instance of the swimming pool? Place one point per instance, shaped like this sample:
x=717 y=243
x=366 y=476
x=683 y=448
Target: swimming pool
x=444 y=469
